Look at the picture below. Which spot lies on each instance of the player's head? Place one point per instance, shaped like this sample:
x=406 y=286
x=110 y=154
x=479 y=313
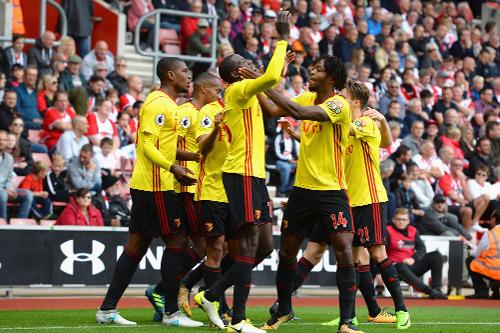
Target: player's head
x=228 y=69
x=357 y=94
x=401 y=218
x=207 y=86
x=327 y=71
x=174 y=72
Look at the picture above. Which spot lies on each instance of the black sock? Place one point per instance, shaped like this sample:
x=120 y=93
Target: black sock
x=225 y=281
x=172 y=271
x=193 y=277
x=124 y=270
x=225 y=264
x=284 y=286
x=391 y=281
x=346 y=282
x=210 y=275
x=365 y=285
x=242 y=283
x=303 y=269
x=189 y=259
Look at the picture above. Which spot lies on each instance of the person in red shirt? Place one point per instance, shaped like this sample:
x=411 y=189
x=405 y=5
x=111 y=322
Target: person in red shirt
x=80 y=211
x=57 y=120
x=100 y=126
x=34 y=183
x=189 y=24
x=134 y=93
x=47 y=90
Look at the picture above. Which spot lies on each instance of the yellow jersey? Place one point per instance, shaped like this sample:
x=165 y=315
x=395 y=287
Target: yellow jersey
x=364 y=181
x=322 y=145
x=158 y=117
x=187 y=115
x=243 y=117
x=210 y=186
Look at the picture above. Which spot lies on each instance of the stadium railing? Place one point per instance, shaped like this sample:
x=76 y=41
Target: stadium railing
x=157 y=53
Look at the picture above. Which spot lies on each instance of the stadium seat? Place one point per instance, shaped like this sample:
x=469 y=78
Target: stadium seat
x=172 y=49
x=169 y=36
x=17 y=181
x=34 y=136
x=59 y=203
x=17 y=221
x=3 y=222
x=47 y=222
x=42 y=157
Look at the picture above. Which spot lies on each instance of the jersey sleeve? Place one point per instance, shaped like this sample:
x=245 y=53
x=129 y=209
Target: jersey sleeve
x=154 y=117
x=205 y=123
x=365 y=128
x=302 y=99
x=337 y=109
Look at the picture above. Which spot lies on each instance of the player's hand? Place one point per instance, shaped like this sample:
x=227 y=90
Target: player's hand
x=181 y=174
x=248 y=73
x=196 y=157
x=290 y=58
x=283 y=25
x=286 y=125
x=218 y=120
x=374 y=114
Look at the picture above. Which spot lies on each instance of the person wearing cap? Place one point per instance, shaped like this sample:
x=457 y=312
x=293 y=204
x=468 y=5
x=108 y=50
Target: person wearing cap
x=256 y=19
x=438 y=221
x=71 y=77
x=270 y=16
x=114 y=209
x=199 y=45
x=190 y=24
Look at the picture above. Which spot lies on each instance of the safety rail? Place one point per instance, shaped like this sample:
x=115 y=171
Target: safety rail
x=43 y=17
x=157 y=53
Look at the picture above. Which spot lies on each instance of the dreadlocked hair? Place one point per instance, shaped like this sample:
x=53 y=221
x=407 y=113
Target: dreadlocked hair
x=334 y=67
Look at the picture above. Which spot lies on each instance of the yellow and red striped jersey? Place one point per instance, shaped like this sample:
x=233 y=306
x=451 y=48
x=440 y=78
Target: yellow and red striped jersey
x=158 y=116
x=322 y=145
x=364 y=182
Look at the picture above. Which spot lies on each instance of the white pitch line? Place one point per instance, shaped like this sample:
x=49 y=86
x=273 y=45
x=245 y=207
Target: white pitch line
x=83 y=327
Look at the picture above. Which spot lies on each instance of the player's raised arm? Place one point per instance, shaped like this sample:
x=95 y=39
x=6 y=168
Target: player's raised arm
x=385 y=131
x=295 y=110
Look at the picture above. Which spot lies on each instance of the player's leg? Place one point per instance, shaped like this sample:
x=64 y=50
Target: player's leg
x=125 y=268
x=311 y=257
x=266 y=243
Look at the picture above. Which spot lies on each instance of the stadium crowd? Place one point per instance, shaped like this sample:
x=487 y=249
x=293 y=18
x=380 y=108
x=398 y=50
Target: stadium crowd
x=431 y=70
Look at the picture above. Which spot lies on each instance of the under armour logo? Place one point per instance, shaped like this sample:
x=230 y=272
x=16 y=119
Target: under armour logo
x=68 y=250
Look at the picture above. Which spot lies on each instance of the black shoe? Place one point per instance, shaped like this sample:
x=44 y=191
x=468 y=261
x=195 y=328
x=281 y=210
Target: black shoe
x=277 y=320
x=436 y=294
x=273 y=309
x=475 y=296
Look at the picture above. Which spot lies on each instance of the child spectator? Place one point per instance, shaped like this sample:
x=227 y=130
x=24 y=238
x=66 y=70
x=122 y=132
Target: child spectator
x=112 y=96
x=113 y=207
x=123 y=128
x=34 y=183
x=55 y=181
x=106 y=157
x=80 y=211
x=407 y=251
x=406 y=198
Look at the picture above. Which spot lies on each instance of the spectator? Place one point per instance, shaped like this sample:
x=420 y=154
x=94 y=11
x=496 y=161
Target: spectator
x=296 y=86
x=100 y=126
x=55 y=181
x=20 y=148
x=482 y=156
x=375 y=21
x=486 y=67
x=265 y=38
x=383 y=54
x=7 y=109
x=493 y=134
x=34 y=183
x=138 y=9
x=119 y=77
x=433 y=133
x=101 y=71
x=113 y=208
x=134 y=87
x=407 y=250
x=27 y=105
x=327 y=43
x=414 y=139
x=223 y=33
x=251 y=51
x=437 y=221
x=463 y=47
x=67 y=47
x=428 y=161
x=123 y=128
x=167 y=21
x=7 y=190
x=95 y=92
x=99 y=54
x=344 y=48
x=483 y=105
x=405 y=197
x=245 y=35
x=444 y=103
x=57 y=120
x=395 y=128
x=477 y=86
x=402 y=159
x=312 y=55
x=72 y=141
x=233 y=16
x=112 y=96
x=106 y=157
x=71 y=77
x=59 y=65
x=393 y=93
x=46 y=91
x=189 y=24
x=303 y=13
x=420 y=186
x=432 y=59
x=80 y=211
x=416 y=113
x=15 y=53
x=287 y=152
x=296 y=68
x=41 y=54
x=84 y=170
x=484 y=263
x=481 y=189
x=80 y=14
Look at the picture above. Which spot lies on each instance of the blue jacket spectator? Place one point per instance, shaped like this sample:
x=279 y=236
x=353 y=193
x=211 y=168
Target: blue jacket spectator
x=84 y=170
x=27 y=104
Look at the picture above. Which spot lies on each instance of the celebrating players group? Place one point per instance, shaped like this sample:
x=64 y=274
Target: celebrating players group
x=199 y=184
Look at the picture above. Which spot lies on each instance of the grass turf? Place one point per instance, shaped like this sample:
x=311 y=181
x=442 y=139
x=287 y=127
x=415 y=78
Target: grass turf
x=428 y=320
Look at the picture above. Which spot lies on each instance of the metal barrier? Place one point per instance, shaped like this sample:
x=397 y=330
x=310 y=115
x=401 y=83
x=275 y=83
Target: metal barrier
x=157 y=53
x=43 y=16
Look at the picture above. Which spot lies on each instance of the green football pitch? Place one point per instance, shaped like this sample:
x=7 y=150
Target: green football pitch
x=424 y=319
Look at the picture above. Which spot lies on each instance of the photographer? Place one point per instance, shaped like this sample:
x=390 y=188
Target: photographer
x=113 y=207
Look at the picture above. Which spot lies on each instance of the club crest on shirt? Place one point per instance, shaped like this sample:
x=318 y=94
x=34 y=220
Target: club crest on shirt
x=359 y=124
x=335 y=106
x=284 y=224
x=206 y=122
x=209 y=226
x=177 y=223
x=185 y=122
x=160 y=120
x=257 y=214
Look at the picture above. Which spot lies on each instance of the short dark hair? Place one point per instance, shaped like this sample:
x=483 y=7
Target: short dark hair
x=227 y=66
x=87 y=148
x=16 y=66
x=425 y=94
x=334 y=67
x=106 y=141
x=15 y=37
x=166 y=65
x=402 y=150
x=481 y=139
x=490 y=125
x=137 y=104
x=81 y=192
x=95 y=78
